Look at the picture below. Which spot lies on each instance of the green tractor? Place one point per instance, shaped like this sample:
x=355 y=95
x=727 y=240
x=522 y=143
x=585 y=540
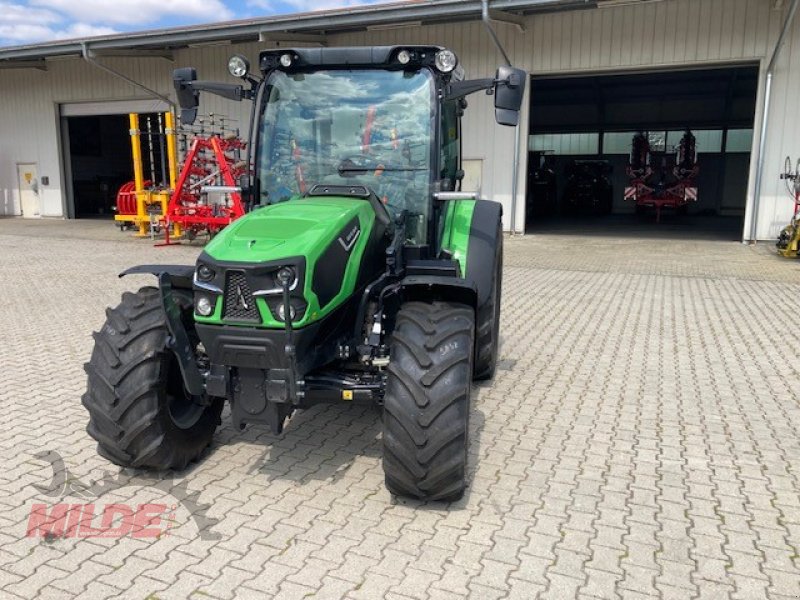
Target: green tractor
x=360 y=274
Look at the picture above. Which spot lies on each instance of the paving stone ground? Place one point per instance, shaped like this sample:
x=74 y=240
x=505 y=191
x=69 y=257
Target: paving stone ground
x=640 y=440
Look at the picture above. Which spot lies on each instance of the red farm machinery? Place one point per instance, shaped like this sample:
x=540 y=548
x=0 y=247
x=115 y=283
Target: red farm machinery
x=212 y=161
x=661 y=179
x=201 y=198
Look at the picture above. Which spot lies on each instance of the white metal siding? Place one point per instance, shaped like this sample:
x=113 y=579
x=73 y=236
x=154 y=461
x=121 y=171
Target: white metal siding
x=668 y=34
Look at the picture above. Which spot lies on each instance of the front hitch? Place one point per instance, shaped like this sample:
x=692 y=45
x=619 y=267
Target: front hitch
x=282 y=393
x=291 y=353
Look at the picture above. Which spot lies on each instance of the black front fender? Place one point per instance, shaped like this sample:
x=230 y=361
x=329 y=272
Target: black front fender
x=180 y=276
x=171 y=278
x=485 y=228
x=433 y=287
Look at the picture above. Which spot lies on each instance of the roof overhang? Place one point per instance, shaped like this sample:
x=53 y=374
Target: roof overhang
x=311 y=27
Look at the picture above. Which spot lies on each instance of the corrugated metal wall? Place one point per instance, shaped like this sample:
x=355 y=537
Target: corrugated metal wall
x=667 y=34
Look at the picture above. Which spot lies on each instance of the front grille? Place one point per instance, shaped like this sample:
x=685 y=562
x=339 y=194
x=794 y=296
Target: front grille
x=240 y=304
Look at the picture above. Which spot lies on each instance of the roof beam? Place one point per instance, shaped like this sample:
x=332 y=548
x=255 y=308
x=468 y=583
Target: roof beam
x=135 y=53
x=287 y=36
x=40 y=64
x=505 y=17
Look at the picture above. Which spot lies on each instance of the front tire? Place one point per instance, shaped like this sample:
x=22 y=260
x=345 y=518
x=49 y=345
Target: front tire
x=426 y=406
x=139 y=411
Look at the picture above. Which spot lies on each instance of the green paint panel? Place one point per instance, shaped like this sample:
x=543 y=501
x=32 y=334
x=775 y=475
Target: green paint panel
x=457 y=224
x=297 y=227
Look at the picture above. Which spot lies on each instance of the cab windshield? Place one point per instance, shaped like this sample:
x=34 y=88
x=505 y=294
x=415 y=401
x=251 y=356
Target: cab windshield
x=348 y=127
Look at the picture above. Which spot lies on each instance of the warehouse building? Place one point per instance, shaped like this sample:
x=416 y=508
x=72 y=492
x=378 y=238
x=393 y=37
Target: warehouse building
x=601 y=71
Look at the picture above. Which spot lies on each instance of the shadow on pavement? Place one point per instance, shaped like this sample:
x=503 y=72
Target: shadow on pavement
x=324 y=442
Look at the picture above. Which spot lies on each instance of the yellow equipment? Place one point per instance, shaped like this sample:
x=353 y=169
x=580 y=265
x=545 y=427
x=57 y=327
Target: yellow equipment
x=140 y=202
x=789 y=238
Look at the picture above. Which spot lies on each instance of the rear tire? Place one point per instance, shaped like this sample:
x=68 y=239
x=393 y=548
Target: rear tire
x=487 y=342
x=426 y=407
x=139 y=411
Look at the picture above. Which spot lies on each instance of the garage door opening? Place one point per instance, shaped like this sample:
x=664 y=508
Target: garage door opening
x=97 y=156
x=100 y=162
x=581 y=136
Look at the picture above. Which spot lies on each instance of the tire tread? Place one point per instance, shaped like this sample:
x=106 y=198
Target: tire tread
x=126 y=390
x=426 y=407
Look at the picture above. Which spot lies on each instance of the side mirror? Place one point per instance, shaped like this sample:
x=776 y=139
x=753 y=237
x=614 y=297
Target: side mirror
x=508 y=92
x=188 y=97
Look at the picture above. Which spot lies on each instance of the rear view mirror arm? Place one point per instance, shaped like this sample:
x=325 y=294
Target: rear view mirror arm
x=459 y=89
x=231 y=91
x=188 y=89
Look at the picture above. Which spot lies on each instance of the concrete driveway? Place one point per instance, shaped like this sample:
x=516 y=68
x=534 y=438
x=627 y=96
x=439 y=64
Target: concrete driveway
x=640 y=440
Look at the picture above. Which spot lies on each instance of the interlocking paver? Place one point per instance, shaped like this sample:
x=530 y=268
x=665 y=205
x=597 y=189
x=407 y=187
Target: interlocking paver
x=641 y=439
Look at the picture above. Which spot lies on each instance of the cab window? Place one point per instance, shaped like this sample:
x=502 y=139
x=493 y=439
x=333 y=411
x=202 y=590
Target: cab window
x=451 y=146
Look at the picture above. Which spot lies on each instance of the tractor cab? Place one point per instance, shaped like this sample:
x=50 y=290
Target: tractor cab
x=384 y=118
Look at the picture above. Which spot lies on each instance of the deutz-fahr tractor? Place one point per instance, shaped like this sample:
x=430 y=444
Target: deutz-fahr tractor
x=361 y=273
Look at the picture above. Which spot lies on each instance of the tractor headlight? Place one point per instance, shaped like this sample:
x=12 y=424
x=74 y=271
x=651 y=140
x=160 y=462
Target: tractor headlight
x=445 y=60
x=203 y=306
x=286 y=60
x=285 y=277
x=205 y=273
x=297 y=309
x=404 y=57
x=238 y=66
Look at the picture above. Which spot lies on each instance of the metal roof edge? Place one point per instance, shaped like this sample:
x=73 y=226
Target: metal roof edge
x=330 y=21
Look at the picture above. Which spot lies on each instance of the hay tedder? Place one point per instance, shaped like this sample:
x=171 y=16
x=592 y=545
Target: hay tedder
x=201 y=198
x=656 y=182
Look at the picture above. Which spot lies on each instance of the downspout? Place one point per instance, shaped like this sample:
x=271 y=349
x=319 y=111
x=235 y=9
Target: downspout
x=486 y=17
x=486 y=21
x=88 y=56
x=762 y=146
x=514 y=184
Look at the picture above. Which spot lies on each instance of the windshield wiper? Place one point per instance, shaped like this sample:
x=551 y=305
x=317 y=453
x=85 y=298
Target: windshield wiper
x=348 y=165
x=378 y=168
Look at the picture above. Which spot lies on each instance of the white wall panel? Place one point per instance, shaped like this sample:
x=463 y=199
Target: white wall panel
x=667 y=34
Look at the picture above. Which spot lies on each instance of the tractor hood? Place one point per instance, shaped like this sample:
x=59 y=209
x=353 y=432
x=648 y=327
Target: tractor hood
x=300 y=227
x=322 y=238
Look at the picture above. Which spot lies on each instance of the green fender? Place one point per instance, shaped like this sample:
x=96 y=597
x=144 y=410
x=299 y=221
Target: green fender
x=470 y=235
